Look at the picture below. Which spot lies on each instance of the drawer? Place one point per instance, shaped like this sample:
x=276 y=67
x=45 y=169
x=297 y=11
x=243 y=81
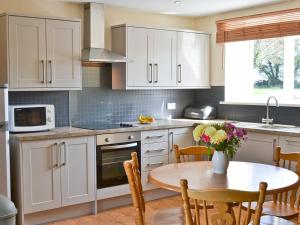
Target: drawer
x=150 y=163
x=154 y=149
x=154 y=136
x=146 y=184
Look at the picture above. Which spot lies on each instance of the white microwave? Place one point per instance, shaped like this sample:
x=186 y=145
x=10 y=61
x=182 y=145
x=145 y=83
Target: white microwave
x=31 y=118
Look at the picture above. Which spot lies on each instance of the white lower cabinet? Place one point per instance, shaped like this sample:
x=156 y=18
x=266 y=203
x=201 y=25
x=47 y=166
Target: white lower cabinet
x=57 y=173
x=258 y=148
x=289 y=144
x=154 y=148
x=180 y=136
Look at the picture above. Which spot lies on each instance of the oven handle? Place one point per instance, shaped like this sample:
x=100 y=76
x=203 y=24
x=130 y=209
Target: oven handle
x=119 y=146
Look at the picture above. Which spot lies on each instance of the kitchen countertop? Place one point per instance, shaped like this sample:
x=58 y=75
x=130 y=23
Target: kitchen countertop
x=67 y=132
x=279 y=129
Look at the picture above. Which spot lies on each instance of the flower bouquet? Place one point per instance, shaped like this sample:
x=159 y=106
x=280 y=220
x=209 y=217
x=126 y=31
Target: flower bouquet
x=224 y=138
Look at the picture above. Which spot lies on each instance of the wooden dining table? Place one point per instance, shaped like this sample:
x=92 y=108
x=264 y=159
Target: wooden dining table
x=243 y=176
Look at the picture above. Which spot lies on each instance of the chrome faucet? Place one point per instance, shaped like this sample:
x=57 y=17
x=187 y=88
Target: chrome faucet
x=269 y=120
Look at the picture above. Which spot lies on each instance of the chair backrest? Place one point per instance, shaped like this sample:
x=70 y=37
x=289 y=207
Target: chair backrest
x=134 y=179
x=290 y=161
x=193 y=153
x=222 y=200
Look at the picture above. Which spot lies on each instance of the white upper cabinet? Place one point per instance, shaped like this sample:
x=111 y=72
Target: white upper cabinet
x=193 y=60
x=63 y=54
x=27 y=52
x=44 y=54
x=160 y=59
x=139 y=71
x=164 y=74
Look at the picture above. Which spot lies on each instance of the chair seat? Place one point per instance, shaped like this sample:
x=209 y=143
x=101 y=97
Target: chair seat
x=279 y=210
x=170 y=216
x=274 y=220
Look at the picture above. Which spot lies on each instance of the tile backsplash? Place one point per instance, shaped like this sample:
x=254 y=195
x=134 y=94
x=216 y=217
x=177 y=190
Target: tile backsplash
x=98 y=102
x=113 y=106
x=60 y=99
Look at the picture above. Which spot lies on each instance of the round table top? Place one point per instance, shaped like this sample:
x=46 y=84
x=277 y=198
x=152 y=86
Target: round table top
x=243 y=176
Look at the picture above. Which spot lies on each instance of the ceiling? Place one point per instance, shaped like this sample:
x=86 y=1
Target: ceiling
x=184 y=7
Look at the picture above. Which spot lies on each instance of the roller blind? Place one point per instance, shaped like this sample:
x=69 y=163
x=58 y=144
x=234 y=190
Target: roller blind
x=260 y=26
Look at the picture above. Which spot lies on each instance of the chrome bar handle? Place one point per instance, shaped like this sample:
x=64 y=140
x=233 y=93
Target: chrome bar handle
x=155 y=150
x=150 y=73
x=51 y=72
x=155 y=164
x=156 y=73
x=44 y=73
x=179 y=73
x=55 y=149
x=172 y=141
x=154 y=137
x=65 y=154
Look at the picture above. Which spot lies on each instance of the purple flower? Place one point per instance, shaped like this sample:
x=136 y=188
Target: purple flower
x=239 y=133
x=230 y=126
x=230 y=134
x=244 y=131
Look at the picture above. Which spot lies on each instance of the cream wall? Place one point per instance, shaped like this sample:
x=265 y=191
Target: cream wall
x=118 y=15
x=217 y=50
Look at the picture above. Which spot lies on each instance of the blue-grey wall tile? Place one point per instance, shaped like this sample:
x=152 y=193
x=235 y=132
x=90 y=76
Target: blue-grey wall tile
x=60 y=99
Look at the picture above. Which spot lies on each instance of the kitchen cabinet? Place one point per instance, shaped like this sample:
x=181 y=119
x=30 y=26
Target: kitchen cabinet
x=258 y=148
x=154 y=148
x=38 y=57
x=289 y=144
x=57 y=173
x=41 y=176
x=180 y=136
x=160 y=58
x=193 y=60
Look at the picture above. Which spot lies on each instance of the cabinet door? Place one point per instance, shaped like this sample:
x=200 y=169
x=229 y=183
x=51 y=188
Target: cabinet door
x=77 y=170
x=180 y=136
x=192 y=60
x=258 y=148
x=41 y=176
x=27 y=52
x=140 y=47
x=63 y=54
x=164 y=68
x=289 y=144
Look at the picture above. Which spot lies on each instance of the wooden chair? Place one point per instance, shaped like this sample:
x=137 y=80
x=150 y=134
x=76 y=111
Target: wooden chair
x=223 y=200
x=193 y=153
x=286 y=204
x=172 y=216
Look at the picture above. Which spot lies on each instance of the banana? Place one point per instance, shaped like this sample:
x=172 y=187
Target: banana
x=146 y=119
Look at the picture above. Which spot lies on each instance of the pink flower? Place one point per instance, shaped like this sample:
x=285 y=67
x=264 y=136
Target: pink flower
x=205 y=138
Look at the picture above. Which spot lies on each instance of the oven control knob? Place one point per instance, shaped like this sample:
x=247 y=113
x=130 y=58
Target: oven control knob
x=130 y=137
x=107 y=139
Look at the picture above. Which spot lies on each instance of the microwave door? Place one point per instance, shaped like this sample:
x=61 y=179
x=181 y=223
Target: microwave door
x=4 y=143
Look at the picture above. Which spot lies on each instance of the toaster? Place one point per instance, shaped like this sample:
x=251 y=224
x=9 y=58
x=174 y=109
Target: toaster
x=206 y=112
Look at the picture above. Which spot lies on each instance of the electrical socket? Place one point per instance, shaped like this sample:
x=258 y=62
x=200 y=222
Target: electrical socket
x=171 y=106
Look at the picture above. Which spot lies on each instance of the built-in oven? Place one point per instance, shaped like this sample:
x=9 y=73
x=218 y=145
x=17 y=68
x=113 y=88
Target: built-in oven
x=112 y=151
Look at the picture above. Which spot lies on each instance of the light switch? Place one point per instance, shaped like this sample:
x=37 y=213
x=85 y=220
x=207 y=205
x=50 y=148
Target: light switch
x=171 y=106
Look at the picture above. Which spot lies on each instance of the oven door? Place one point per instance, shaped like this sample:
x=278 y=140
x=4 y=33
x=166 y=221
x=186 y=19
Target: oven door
x=110 y=158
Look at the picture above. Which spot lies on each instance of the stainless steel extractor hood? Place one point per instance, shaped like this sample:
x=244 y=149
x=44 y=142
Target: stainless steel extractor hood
x=94 y=51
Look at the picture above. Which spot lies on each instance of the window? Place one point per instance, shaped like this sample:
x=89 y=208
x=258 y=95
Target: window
x=262 y=57
x=256 y=69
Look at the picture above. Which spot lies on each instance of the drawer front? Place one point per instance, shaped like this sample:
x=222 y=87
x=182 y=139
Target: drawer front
x=155 y=149
x=146 y=184
x=150 y=163
x=155 y=136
